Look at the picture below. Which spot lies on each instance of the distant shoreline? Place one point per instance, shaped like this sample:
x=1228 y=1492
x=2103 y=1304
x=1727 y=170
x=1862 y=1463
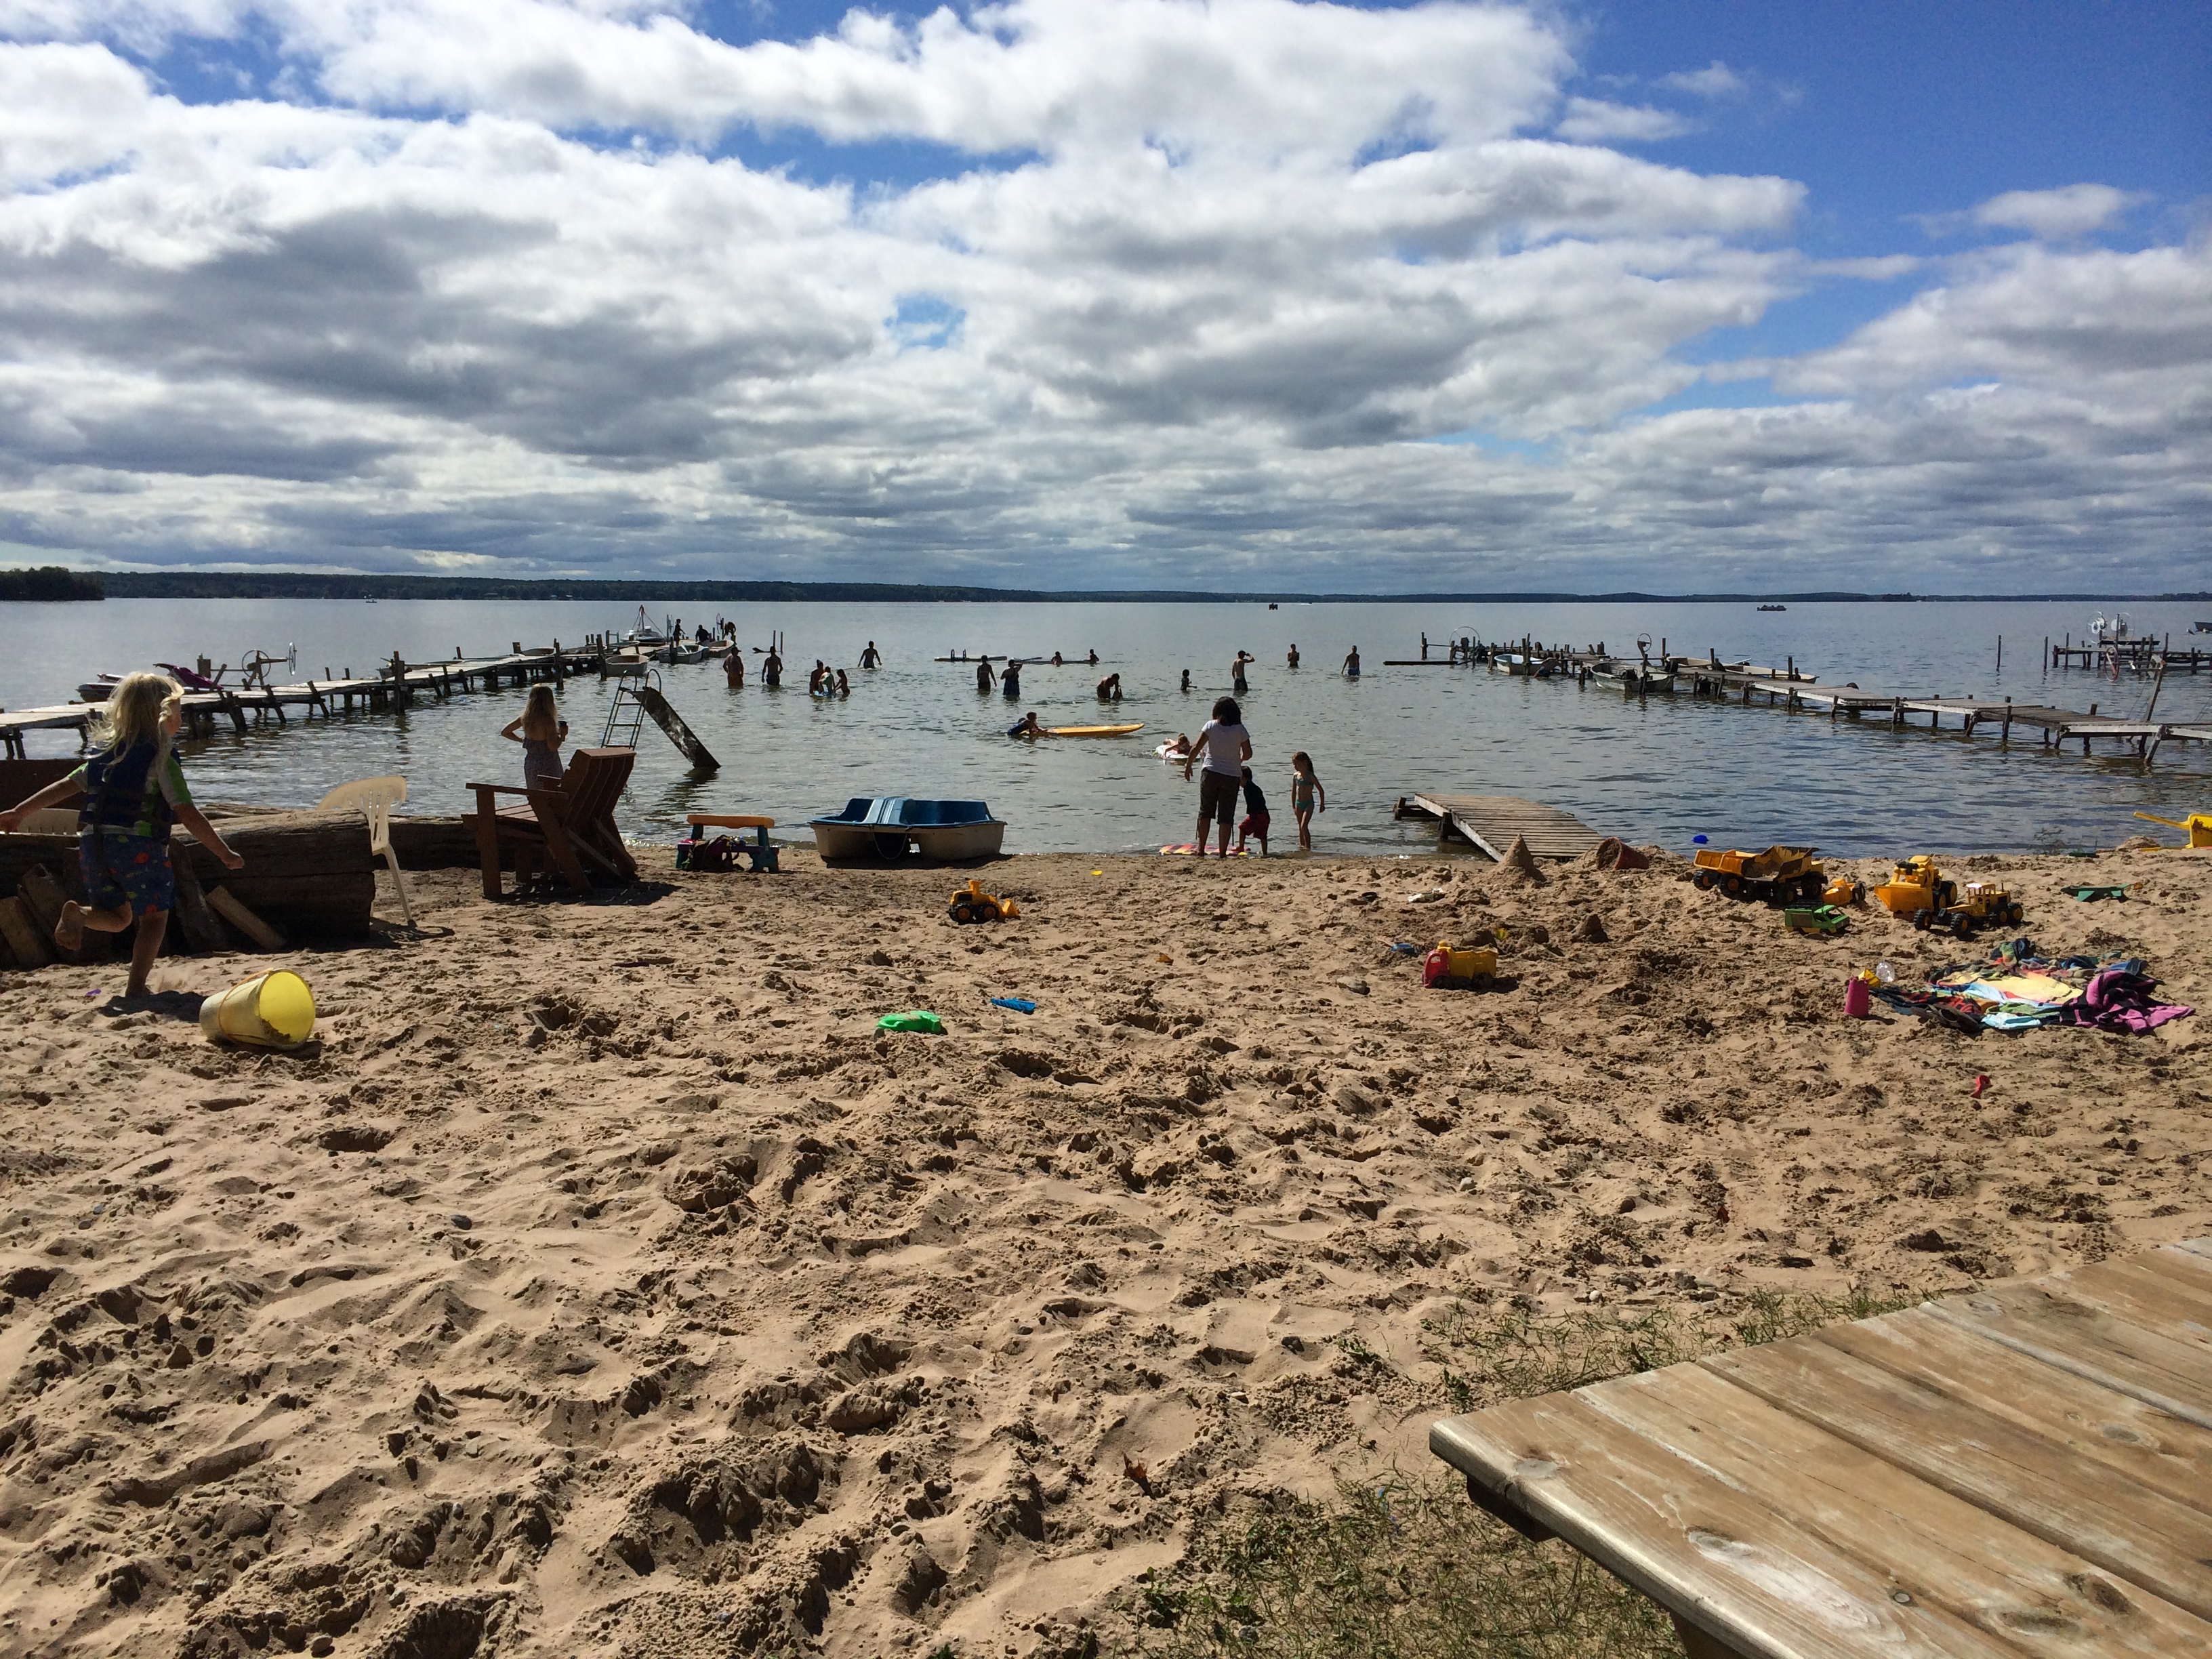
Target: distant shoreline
x=53 y=583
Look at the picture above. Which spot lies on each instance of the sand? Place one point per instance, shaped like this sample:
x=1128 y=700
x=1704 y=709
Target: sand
x=602 y=1281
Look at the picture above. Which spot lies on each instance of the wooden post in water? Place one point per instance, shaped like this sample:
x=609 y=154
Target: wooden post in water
x=2155 y=686
x=2000 y=653
x=2004 y=737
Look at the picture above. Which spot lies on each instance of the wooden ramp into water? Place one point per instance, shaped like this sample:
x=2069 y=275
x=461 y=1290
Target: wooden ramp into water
x=1493 y=822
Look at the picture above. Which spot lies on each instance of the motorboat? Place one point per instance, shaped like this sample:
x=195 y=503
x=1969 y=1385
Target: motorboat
x=97 y=690
x=2201 y=628
x=887 y=826
x=1774 y=607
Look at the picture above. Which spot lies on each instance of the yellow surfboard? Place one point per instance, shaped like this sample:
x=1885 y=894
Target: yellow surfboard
x=1095 y=731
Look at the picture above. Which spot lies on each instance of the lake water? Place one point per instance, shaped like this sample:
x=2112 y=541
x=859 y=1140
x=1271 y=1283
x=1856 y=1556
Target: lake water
x=1662 y=770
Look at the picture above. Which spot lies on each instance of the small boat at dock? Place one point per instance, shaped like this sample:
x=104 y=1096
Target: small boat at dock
x=886 y=827
x=1522 y=664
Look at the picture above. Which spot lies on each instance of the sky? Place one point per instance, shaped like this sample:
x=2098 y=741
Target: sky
x=1080 y=293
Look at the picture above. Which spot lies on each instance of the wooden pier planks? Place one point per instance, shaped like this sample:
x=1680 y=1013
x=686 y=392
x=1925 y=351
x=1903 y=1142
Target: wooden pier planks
x=202 y=707
x=1493 y=822
x=1994 y=1474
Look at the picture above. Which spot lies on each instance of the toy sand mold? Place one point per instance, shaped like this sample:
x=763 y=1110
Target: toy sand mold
x=274 y=1009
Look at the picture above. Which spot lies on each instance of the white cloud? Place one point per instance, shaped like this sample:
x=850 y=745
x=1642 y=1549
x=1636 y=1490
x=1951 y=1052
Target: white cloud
x=1232 y=261
x=1594 y=121
x=1716 y=79
x=2069 y=211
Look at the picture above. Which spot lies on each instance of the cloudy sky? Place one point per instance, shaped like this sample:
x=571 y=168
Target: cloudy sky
x=1084 y=292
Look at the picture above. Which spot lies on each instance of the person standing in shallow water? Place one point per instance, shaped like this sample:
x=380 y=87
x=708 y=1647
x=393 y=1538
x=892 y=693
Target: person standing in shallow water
x=1294 y=654
x=984 y=679
x=1352 y=665
x=871 y=658
x=772 y=669
x=1224 y=745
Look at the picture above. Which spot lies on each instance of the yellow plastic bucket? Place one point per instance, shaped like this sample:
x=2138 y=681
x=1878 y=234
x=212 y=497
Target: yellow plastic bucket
x=269 y=1010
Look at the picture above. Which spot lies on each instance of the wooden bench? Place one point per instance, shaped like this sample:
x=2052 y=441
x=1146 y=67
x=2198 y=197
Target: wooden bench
x=760 y=851
x=2024 y=1469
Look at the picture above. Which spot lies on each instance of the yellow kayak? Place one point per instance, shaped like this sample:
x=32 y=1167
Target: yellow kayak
x=1096 y=731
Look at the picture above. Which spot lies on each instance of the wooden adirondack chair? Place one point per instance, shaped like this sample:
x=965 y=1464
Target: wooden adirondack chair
x=567 y=825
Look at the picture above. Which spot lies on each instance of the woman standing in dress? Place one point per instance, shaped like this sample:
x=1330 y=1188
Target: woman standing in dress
x=541 y=731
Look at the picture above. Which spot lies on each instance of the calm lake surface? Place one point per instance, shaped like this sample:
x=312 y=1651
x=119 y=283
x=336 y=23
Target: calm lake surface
x=1662 y=771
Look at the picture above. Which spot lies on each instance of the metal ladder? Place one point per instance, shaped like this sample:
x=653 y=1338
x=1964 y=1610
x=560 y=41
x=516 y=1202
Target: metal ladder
x=626 y=714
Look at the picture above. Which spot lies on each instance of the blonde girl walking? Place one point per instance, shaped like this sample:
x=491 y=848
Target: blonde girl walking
x=133 y=791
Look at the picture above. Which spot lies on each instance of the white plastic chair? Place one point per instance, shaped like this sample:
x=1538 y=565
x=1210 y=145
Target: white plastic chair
x=374 y=797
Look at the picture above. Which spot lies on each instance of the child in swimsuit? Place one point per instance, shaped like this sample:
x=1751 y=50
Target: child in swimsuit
x=1256 y=816
x=134 y=790
x=1307 y=797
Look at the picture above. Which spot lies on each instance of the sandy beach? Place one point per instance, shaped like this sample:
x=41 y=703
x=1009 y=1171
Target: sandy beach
x=602 y=1281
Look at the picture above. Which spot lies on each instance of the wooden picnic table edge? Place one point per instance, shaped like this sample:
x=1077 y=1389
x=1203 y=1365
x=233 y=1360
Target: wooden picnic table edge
x=1503 y=1498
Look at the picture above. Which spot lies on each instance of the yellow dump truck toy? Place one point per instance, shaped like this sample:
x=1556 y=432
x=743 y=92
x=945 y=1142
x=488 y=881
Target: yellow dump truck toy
x=972 y=903
x=1780 y=875
x=1921 y=891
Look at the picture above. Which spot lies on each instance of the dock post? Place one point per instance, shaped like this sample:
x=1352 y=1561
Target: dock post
x=1897 y=712
x=2004 y=737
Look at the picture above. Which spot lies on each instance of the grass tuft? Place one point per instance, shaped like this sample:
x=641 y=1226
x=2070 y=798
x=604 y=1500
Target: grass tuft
x=1406 y=1567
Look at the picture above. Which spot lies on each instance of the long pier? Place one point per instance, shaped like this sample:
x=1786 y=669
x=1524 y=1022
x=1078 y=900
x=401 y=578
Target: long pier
x=395 y=685
x=1788 y=688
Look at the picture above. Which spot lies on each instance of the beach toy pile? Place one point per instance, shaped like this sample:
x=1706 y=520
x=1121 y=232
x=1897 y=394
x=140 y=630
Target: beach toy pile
x=1919 y=891
x=2018 y=989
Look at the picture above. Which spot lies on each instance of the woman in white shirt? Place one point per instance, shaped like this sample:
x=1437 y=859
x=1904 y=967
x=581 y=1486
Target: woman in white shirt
x=1224 y=745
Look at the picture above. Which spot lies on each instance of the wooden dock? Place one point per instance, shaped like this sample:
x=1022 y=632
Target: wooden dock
x=397 y=685
x=1492 y=823
x=2023 y=1468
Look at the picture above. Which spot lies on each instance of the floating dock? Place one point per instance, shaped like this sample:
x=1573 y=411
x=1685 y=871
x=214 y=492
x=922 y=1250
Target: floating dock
x=1493 y=822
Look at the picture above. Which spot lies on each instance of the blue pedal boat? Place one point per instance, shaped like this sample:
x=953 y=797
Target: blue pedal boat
x=886 y=826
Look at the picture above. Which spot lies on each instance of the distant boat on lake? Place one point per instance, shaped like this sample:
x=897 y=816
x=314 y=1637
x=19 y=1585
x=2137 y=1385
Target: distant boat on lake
x=1774 y=607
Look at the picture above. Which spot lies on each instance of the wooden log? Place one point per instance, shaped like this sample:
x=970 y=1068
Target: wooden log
x=235 y=913
x=42 y=896
x=22 y=779
x=308 y=906
x=197 y=924
x=26 y=943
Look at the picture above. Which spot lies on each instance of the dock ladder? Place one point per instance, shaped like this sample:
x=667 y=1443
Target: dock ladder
x=626 y=714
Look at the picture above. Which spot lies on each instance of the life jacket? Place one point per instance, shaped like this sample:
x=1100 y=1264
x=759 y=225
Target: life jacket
x=122 y=789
